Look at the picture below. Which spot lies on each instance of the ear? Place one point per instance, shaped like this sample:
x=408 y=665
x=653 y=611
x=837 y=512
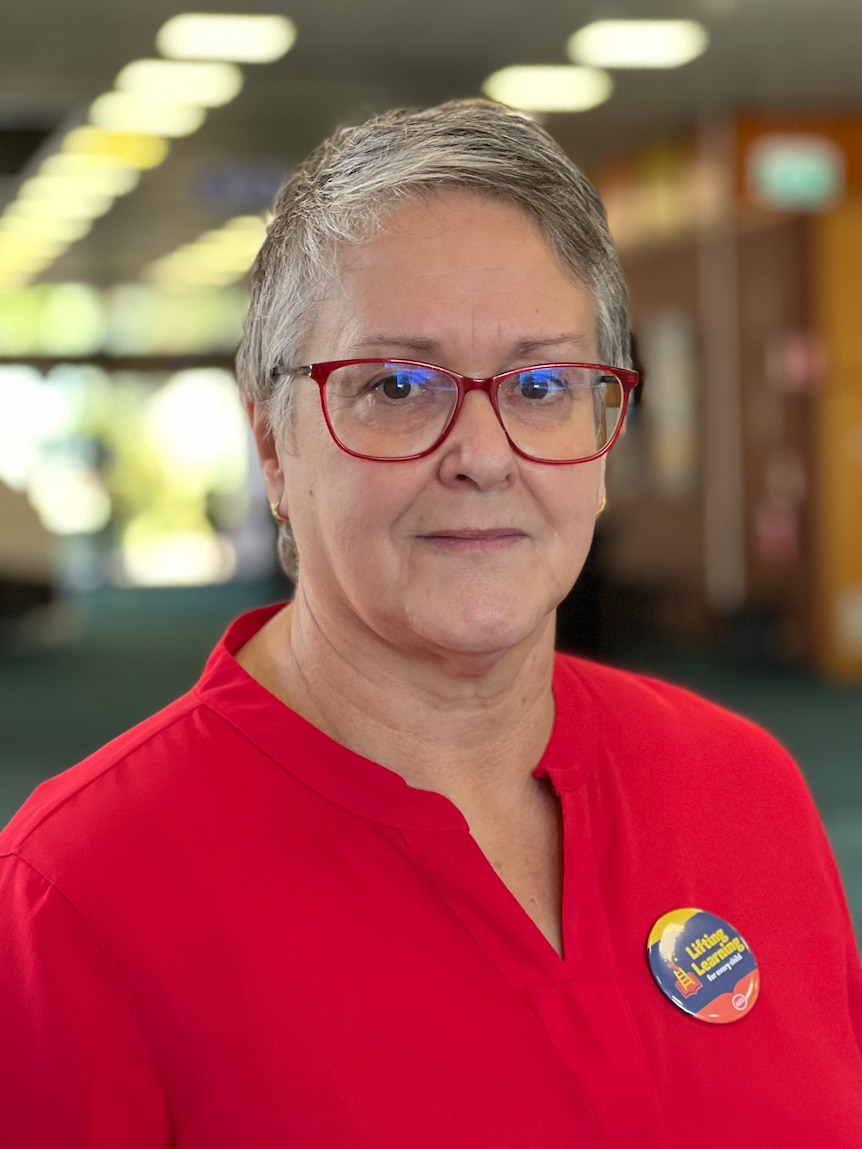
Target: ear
x=267 y=451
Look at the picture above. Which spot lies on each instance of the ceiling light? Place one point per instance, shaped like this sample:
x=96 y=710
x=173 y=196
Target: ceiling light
x=123 y=112
x=74 y=164
x=198 y=265
x=22 y=246
x=34 y=228
x=247 y=223
x=13 y=277
x=211 y=258
x=219 y=246
x=136 y=149
x=549 y=87
x=250 y=224
x=104 y=181
x=638 y=43
x=12 y=258
x=221 y=256
x=17 y=262
x=246 y=39
x=242 y=233
x=208 y=84
x=66 y=207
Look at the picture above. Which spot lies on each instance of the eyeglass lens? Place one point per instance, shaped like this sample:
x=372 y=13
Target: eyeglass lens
x=392 y=410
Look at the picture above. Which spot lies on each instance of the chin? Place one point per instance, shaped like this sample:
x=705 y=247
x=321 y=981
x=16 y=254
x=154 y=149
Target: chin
x=482 y=631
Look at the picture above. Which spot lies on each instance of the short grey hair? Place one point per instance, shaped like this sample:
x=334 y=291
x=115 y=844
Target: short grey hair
x=342 y=193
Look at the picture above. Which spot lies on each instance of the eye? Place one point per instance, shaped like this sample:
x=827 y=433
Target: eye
x=399 y=385
x=539 y=384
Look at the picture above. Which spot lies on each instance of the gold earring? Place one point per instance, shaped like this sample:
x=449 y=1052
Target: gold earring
x=603 y=502
x=276 y=513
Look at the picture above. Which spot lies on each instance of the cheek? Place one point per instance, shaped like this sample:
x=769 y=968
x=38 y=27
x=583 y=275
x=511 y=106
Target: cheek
x=573 y=501
x=340 y=507
x=573 y=512
x=365 y=501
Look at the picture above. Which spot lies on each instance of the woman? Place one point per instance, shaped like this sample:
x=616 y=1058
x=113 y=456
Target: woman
x=393 y=874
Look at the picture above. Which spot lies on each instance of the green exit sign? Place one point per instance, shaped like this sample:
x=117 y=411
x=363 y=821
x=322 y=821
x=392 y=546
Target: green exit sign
x=796 y=172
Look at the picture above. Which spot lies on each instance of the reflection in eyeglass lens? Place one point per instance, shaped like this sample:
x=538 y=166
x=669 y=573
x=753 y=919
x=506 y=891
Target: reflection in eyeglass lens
x=554 y=412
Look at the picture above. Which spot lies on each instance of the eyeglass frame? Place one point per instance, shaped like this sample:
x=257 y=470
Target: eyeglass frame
x=320 y=373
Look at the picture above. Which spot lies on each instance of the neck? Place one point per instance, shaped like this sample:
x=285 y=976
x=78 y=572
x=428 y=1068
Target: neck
x=463 y=725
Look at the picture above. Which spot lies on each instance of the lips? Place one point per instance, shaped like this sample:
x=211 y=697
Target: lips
x=476 y=535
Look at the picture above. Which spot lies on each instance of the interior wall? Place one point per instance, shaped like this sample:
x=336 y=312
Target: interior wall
x=655 y=537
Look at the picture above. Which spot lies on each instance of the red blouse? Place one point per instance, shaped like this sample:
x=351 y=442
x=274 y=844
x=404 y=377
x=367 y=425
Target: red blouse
x=224 y=929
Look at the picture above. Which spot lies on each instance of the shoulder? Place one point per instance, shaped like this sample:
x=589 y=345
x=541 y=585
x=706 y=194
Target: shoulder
x=671 y=733
x=659 y=706
x=681 y=777
x=157 y=765
x=654 y=696
x=99 y=786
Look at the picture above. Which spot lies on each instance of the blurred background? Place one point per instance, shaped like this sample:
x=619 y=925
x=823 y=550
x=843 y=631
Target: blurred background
x=140 y=146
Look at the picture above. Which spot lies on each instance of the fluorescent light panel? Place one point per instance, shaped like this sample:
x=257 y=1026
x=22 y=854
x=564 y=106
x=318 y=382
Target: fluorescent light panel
x=34 y=228
x=105 y=181
x=245 y=39
x=549 y=87
x=208 y=84
x=78 y=207
x=74 y=164
x=220 y=256
x=36 y=245
x=11 y=278
x=638 y=43
x=29 y=257
x=134 y=149
x=123 y=112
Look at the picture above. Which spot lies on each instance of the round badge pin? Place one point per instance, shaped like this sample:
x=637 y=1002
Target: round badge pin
x=703 y=965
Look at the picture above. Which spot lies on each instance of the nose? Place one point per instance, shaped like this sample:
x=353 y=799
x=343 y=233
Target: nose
x=477 y=450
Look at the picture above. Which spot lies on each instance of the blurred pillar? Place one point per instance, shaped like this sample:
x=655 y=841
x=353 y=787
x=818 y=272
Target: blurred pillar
x=718 y=305
x=838 y=439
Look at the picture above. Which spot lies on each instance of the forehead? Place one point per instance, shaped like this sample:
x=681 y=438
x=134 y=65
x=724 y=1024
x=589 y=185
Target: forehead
x=447 y=267
x=453 y=224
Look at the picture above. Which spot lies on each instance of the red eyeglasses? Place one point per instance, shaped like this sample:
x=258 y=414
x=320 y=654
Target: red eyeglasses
x=392 y=410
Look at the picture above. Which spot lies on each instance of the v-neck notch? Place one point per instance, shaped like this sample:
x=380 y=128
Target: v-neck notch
x=340 y=775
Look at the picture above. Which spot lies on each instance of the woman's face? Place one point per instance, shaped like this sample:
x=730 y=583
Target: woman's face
x=468 y=550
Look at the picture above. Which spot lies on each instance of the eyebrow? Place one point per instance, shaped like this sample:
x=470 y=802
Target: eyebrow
x=418 y=346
